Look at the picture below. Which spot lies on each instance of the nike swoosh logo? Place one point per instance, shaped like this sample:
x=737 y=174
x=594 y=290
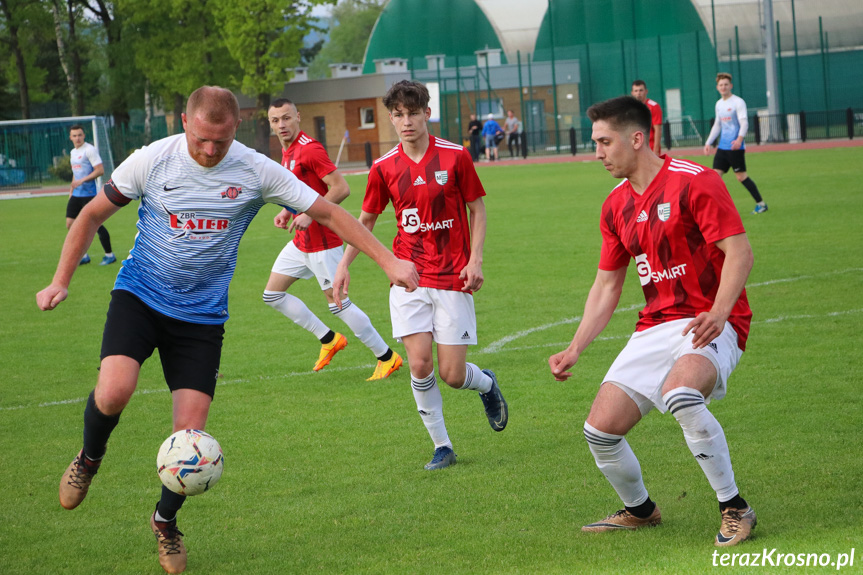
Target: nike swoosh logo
x=167 y=189
x=723 y=539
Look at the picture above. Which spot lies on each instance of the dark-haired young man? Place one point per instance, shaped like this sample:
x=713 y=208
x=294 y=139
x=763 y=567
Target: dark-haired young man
x=639 y=92
x=316 y=250
x=676 y=220
x=198 y=192
x=87 y=167
x=430 y=181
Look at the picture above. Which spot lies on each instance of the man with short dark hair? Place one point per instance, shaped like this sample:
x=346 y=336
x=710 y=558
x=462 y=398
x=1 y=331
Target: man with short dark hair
x=199 y=191
x=430 y=182
x=316 y=250
x=87 y=167
x=677 y=221
x=730 y=124
x=639 y=92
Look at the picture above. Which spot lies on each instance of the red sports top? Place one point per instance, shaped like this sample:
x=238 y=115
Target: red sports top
x=429 y=199
x=655 y=118
x=671 y=231
x=308 y=160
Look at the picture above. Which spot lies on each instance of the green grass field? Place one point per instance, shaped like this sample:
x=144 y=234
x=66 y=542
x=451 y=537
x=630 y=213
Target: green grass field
x=324 y=470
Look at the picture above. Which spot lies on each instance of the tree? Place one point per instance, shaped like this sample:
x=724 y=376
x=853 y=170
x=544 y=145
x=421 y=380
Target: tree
x=68 y=50
x=265 y=37
x=11 y=12
x=179 y=47
x=351 y=26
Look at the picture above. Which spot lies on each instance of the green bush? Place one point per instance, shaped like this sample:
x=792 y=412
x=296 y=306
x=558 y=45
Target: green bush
x=62 y=169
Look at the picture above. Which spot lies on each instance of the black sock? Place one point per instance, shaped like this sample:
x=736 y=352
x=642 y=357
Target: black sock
x=97 y=429
x=387 y=356
x=105 y=239
x=753 y=189
x=735 y=502
x=644 y=510
x=331 y=335
x=169 y=504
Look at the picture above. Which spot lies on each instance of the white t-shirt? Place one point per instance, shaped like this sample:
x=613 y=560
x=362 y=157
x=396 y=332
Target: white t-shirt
x=731 y=122
x=84 y=160
x=191 y=220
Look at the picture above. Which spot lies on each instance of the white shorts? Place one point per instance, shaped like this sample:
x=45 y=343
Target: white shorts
x=447 y=314
x=301 y=265
x=641 y=368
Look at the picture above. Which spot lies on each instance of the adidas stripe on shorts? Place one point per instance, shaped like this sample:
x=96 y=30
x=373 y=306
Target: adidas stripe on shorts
x=448 y=315
x=301 y=265
x=641 y=368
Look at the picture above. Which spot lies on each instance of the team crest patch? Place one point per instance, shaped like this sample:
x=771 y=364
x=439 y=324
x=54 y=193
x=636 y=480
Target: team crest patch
x=664 y=211
x=232 y=192
x=293 y=163
x=441 y=177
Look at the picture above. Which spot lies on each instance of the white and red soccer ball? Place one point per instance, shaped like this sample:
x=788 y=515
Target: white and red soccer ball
x=190 y=462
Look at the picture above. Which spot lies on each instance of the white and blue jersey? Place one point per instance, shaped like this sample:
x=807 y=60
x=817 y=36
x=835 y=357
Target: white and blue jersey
x=731 y=122
x=84 y=160
x=191 y=220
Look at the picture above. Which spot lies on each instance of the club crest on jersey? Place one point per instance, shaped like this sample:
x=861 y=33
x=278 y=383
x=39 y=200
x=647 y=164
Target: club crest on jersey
x=232 y=192
x=664 y=211
x=293 y=163
x=441 y=177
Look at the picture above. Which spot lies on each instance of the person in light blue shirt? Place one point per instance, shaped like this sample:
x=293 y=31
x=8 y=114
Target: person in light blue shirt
x=490 y=131
x=730 y=125
x=86 y=169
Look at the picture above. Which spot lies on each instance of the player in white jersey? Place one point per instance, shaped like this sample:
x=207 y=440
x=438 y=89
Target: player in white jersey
x=86 y=169
x=730 y=124
x=198 y=193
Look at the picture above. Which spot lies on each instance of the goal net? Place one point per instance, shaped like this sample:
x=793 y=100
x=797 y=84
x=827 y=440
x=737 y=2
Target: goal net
x=29 y=149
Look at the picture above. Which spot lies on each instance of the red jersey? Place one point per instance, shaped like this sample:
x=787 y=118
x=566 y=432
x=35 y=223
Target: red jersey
x=429 y=200
x=671 y=231
x=308 y=160
x=655 y=118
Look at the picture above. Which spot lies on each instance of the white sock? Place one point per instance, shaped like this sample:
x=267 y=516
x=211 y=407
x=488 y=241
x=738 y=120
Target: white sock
x=109 y=254
x=361 y=325
x=474 y=378
x=618 y=463
x=294 y=309
x=161 y=519
x=705 y=439
x=430 y=406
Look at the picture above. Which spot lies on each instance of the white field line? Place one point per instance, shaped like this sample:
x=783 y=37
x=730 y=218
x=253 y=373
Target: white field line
x=494 y=347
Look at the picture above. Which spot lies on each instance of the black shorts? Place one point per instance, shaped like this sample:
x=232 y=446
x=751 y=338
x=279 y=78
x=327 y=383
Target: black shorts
x=76 y=204
x=190 y=352
x=735 y=159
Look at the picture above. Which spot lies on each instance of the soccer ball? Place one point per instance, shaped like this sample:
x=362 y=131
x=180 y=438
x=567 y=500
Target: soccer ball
x=190 y=462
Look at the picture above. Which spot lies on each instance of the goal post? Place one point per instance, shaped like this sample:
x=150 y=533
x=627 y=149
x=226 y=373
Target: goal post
x=28 y=148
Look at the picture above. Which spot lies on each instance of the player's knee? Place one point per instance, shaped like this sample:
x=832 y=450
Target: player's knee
x=598 y=441
x=273 y=298
x=452 y=376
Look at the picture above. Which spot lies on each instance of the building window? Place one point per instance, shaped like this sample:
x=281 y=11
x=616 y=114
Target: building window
x=367 y=117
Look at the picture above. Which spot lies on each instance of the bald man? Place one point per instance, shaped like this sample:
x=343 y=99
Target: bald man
x=198 y=193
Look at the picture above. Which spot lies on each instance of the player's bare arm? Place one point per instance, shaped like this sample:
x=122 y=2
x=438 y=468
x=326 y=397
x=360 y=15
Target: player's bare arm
x=337 y=193
x=735 y=271
x=657 y=140
x=400 y=272
x=98 y=170
x=343 y=276
x=471 y=274
x=601 y=301
x=77 y=241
